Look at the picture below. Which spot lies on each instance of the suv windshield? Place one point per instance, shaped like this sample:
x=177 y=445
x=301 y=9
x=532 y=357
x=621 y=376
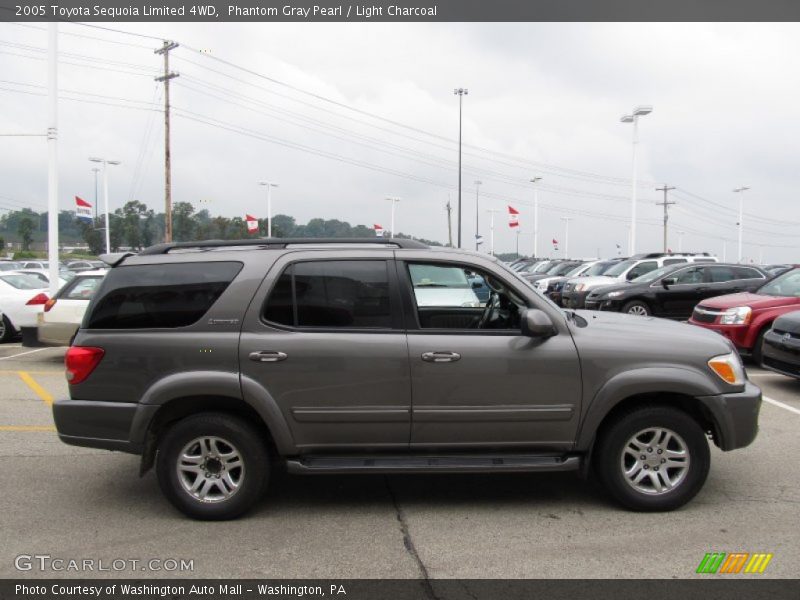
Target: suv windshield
x=620 y=268
x=787 y=285
x=561 y=269
x=438 y=276
x=653 y=275
x=575 y=271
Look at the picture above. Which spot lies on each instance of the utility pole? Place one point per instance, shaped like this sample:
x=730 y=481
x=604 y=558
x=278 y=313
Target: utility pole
x=52 y=157
x=449 y=210
x=167 y=159
x=665 y=204
x=460 y=92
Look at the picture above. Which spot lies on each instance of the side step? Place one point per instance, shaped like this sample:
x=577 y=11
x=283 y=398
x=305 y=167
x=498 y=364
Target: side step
x=455 y=463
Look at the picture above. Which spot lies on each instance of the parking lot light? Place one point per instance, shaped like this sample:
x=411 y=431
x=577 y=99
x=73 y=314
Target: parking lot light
x=639 y=111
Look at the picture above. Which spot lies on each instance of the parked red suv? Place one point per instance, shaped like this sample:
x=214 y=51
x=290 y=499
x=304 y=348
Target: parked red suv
x=745 y=318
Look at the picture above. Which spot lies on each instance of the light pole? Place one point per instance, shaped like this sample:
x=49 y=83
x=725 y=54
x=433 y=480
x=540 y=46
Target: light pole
x=680 y=240
x=535 y=216
x=741 y=190
x=269 y=185
x=639 y=111
x=460 y=92
x=477 y=212
x=105 y=162
x=491 y=212
x=566 y=235
x=394 y=200
x=95 y=170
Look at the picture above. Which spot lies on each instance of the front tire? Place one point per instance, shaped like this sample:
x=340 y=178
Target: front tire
x=757 y=355
x=638 y=308
x=654 y=458
x=212 y=466
x=7 y=331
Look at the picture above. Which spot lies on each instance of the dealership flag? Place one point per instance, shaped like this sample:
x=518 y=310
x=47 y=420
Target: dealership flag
x=555 y=244
x=513 y=217
x=83 y=210
x=378 y=230
x=252 y=223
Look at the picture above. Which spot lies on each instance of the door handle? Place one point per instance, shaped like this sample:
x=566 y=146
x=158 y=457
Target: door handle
x=439 y=357
x=268 y=356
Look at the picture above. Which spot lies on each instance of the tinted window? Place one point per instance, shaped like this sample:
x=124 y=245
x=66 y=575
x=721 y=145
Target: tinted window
x=347 y=294
x=721 y=274
x=693 y=275
x=674 y=261
x=641 y=269
x=747 y=273
x=171 y=295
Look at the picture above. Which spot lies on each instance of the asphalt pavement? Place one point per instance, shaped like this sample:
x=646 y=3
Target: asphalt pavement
x=79 y=504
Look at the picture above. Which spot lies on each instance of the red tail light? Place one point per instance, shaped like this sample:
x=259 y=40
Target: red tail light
x=38 y=299
x=49 y=304
x=81 y=361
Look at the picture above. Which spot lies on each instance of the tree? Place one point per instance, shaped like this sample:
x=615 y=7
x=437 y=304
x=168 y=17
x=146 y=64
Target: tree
x=132 y=215
x=25 y=231
x=93 y=237
x=183 y=226
x=283 y=226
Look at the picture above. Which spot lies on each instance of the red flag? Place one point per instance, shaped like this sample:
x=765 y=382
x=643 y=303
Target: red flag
x=378 y=230
x=513 y=217
x=252 y=223
x=555 y=242
x=81 y=202
x=83 y=210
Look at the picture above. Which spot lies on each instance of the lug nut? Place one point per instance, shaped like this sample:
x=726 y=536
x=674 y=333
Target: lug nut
x=655 y=468
x=660 y=451
x=663 y=460
x=646 y=467
x=649 y=449
x=643 y=457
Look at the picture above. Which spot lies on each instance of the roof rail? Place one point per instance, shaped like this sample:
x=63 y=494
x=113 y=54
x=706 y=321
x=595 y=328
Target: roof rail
x=279 y=243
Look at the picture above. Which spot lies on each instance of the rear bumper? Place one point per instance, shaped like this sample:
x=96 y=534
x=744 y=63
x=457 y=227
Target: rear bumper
x=106 y=425
x=735 y=416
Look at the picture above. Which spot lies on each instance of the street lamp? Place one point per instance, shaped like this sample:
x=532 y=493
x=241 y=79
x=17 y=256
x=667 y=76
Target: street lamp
x=491 y=212
x=639 y=111
x=566 y=235
x=269 y=185
x=477 y=212
x=535 y=216
x=95 y=170
x=394 y=200
x=105 y=162
x=460 y=92
x=741 y=190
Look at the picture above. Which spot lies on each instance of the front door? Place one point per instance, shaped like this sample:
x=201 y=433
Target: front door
x=476 y=380
x=324 y=340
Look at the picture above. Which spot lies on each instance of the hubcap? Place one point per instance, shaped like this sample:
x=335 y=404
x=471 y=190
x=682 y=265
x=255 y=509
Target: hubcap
x=655 y=461
x=638 y=310
x=210 y=469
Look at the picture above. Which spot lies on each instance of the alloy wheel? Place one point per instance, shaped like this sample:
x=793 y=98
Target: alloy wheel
x=655 y=461
x=210 y=469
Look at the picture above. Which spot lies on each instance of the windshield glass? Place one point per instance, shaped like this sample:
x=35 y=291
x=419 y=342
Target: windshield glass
x=436 y=276
x=598 y=269
x=9 y=266
x=787 y=285
x=561 y=269
x=22 y=281
x=620 y=268
x=575 y=271
x=653 y=275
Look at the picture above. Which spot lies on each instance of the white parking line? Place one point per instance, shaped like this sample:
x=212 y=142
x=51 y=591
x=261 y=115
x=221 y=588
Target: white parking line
x=781 y=405
x=24 y=353
x=766 y=375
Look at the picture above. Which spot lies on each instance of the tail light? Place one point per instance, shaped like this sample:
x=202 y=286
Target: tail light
x=81 y=361
x=49 y=304
x=38 y=299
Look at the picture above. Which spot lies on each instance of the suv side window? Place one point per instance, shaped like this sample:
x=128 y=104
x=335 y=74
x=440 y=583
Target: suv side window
x=349 y=294
x=673 y=261
x=81 y=288
x=641 y=269
x=691 y=275
x=747 y=273
x=163 y=295
x=722 y=274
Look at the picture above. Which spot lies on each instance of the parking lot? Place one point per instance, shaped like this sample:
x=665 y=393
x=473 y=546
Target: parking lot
x=75 y=503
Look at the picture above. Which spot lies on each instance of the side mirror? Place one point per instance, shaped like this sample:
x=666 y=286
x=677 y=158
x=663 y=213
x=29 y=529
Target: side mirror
x=536 y=323
x=668 y=281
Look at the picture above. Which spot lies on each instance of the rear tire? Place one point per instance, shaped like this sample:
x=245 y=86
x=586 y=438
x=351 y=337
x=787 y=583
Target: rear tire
x=654 y=458
x=7 y=332
x=212 y=466
x=638 y=308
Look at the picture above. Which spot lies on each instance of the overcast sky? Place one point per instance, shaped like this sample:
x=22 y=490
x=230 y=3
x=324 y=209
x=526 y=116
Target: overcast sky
x=544 y=100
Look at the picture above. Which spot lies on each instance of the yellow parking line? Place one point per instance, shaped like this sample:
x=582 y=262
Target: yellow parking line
x=37 y=389
x=27 y=428
x=15 y=372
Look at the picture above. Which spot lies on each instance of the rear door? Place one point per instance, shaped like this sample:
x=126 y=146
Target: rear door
x=323 y=337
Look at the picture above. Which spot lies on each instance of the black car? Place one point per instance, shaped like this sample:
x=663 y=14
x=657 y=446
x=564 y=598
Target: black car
x=674 y=290
x=781 y=349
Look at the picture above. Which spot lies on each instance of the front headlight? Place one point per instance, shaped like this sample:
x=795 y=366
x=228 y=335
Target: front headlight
x=728 y=367
x=736 y=316
x=580 y=287
x=615 y=294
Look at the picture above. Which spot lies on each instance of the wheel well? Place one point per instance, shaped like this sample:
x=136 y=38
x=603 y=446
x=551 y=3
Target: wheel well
x=178 y=408
x=686 y=403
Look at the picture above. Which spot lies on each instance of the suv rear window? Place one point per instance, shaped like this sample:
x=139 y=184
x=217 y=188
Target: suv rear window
x=171 y=295
x=336 y=294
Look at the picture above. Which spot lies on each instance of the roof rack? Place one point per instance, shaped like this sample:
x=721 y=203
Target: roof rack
x=266 y=243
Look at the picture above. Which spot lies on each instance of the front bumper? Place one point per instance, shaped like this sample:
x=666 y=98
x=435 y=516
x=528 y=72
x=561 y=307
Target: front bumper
x=735 y=416
x=781 y=354
x=106 y=425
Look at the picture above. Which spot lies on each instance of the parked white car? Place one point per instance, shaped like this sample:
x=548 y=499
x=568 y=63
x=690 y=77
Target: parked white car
x=442 y=286
x=63 y=314
x=44 y=276
x=22 y=297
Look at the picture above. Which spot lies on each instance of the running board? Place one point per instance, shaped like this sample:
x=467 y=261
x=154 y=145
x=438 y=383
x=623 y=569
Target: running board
x=308 y=465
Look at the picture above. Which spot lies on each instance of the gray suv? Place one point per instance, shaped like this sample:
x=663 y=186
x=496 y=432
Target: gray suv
x=220 y=361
